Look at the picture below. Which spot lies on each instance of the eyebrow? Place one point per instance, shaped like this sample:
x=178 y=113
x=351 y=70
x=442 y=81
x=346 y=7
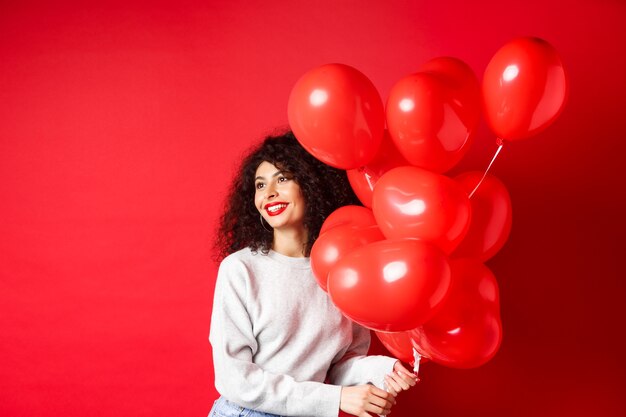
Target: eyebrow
x=277 y=173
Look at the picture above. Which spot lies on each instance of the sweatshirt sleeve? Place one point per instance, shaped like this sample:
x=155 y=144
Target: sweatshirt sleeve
x=237 y=377
x=355 y=367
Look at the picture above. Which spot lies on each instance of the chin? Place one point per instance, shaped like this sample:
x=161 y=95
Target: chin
x=278 y=225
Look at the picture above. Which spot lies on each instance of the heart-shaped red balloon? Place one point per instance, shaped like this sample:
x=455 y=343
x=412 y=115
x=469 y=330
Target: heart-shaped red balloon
x=411 y=202
x=466 y=331
x=336 y=243
x=400 y=345
x=391 y=285
x=364 y=178
x=349 y=215
x=490 y=225
x=432 y=115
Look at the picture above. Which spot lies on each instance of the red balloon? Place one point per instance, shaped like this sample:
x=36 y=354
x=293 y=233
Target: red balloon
x=391 y=285
x=459 y=76
x=433 y=115
x=399 y=344
x=349 y=216
x=364 y=178
x=411 y=202
x=466 y=332
x=337 y=115
x=524 y=88
x=490 y=225
x=337 y=242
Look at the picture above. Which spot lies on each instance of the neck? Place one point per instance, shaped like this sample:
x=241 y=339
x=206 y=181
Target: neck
x=290 y=242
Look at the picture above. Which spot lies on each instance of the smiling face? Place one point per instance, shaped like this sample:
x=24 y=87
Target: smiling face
x=278 y=197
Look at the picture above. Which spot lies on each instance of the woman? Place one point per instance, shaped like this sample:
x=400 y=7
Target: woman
x=280 y=346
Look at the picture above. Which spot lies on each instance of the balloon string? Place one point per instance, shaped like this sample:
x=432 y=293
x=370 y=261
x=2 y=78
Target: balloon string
x=500 y=143
x=416 y=363
x=368 y=177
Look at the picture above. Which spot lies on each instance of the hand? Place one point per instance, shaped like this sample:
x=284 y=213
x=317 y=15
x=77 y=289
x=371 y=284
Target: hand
x=401 y=379
x=361 y=399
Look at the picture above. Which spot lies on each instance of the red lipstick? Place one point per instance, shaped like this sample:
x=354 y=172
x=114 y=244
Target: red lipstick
x=274 y=209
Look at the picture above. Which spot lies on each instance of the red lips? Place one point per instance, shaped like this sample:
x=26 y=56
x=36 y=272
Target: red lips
x=274 y=209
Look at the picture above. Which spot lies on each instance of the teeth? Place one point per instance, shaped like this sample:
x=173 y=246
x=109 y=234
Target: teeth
x=277 y=207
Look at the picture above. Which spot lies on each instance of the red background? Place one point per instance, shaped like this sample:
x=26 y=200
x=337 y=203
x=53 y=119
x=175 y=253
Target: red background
x=119 y=129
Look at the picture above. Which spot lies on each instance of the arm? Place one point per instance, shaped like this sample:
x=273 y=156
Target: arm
x=237 y=377
x=355 y=367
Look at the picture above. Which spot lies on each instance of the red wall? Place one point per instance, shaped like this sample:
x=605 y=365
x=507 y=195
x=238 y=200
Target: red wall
x=119 y=128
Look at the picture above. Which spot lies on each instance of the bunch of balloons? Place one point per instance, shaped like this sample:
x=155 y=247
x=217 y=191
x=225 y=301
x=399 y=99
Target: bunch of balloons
x=409 y=263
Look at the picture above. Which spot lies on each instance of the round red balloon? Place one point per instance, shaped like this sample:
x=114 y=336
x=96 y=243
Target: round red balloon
x=391 y=285
x=467 y=331
x=524 y=88
x=491 y=221
x=411 y=202
x=432 y=115
x=349 y=216
x=336 y=243
x=459 y=76
x=364 y=178
x=337 y=115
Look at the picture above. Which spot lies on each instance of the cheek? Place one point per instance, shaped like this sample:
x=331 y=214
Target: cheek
x=301 y=202
x=258 y=199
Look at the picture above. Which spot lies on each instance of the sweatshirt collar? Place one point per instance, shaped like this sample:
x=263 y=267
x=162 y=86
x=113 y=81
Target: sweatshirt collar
x=302 y=263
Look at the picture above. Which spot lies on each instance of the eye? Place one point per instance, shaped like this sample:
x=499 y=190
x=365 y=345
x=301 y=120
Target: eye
x=259 y=185
x=282 y=179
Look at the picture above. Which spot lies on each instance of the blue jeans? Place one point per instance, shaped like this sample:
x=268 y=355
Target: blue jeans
x=224 y=408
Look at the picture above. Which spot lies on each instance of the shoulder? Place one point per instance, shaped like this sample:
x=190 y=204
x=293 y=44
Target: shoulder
x=242 y=266
x=234 y=264
x=232 y=277
x=234 y=258
x=242 y=259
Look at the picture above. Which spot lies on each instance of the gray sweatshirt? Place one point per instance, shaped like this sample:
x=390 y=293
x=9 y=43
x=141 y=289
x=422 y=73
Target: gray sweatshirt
x=279 y=343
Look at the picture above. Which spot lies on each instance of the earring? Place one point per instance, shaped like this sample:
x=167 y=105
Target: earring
x=263 y=224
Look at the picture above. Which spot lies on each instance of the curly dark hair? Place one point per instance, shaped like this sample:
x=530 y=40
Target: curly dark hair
x=240 y=226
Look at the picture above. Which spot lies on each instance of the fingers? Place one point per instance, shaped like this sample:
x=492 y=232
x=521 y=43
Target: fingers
x=375 y=409
x=409 y=377
x=398 y=367
x=392 y=386
x=403 y=380
x=382 y=394
x=401 y=383
x=363 y=399
x=380 y=405
x=380 y=399
x=404 y=376
x=383 y=402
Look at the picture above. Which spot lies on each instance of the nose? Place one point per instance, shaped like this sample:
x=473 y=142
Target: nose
x=270 y=192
